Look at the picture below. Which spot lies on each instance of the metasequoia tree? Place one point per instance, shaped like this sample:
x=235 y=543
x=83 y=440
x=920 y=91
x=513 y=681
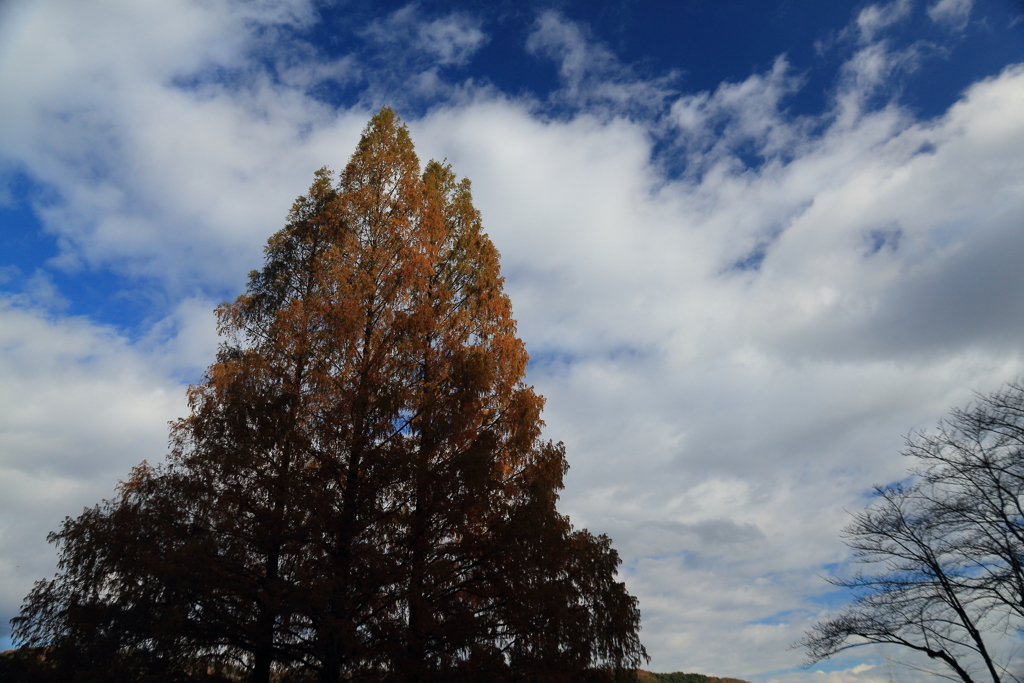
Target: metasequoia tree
x=947 y=549
x=361 y=491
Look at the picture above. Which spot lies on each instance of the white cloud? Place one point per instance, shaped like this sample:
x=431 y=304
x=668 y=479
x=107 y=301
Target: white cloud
x=184 y=342
x=875 y=18
x=450 y=40
x=731 y=355
x=759 y=402
x=713 y=125
x=869 y=74
x=591 y=75
x=78 y=408
x=861 y=673
x=145 y=151
x=453 y=39
x=40 y=290
x=953 y=13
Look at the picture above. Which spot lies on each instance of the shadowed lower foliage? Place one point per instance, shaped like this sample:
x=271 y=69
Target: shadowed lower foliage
x=360 y=491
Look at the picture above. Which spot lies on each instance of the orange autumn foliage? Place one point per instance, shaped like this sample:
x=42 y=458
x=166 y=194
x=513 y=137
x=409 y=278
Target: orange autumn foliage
x=360 y=491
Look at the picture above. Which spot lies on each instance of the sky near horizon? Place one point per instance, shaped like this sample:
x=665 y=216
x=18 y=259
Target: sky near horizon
x=750 y=246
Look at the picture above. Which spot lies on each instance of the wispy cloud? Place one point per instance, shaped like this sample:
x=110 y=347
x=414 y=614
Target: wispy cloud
x=413 y=53
x=751 y=113
x=592 y=76
x=875 y=18
x=953 y=13
x=450 y=40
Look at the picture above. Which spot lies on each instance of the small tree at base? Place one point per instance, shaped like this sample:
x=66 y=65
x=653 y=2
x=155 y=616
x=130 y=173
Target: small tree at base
x=360 y=491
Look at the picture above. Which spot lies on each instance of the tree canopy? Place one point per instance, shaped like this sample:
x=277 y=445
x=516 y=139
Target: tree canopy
x=360 y=490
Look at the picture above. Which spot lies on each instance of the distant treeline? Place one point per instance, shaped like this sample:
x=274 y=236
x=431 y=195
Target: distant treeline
x=680 y=677
x=29 y=665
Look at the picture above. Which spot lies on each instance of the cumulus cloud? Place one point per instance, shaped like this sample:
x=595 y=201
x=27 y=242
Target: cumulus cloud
x=148 y=126
x=78 y=408
x=760 y=394
x=731 y=353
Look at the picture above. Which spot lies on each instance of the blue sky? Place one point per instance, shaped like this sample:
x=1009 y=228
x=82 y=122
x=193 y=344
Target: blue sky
x=750 y=245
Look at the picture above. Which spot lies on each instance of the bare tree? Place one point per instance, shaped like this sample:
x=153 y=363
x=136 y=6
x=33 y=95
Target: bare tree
x=944 y=553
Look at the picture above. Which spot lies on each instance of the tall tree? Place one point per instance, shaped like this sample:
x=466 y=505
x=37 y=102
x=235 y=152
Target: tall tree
x=360 y=491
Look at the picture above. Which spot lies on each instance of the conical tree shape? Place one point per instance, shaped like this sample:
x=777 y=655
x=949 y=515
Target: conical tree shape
x=360 y=491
